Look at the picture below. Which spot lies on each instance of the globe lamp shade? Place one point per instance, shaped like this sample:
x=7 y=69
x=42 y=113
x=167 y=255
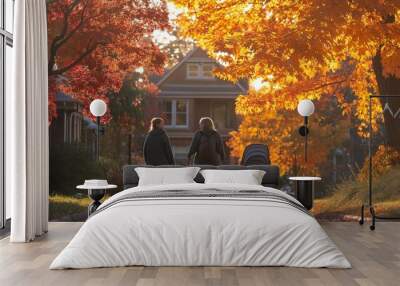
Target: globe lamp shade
x=305 y=107
x=98 y=107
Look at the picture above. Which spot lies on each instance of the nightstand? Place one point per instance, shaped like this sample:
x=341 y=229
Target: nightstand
x=96 y=191
x=305 y=190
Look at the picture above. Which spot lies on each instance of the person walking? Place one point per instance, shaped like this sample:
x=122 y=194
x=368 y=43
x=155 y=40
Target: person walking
x=207 y=147
x=157 y=148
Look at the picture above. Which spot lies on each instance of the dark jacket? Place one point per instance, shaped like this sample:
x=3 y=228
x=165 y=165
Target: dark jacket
x=207 y=148
x=157 y=149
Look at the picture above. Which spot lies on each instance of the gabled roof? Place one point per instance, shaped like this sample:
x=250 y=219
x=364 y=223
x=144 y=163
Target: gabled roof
x=62 y=97
x=187 y=58
x=171 y=71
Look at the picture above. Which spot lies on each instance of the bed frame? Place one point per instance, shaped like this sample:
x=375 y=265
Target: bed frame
x=270 y=179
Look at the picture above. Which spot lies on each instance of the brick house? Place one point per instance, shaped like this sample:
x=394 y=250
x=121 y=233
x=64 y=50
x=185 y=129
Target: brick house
x=189 y=91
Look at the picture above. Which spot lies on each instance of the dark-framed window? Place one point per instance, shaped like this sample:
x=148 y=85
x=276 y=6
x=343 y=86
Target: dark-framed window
x=6 y=64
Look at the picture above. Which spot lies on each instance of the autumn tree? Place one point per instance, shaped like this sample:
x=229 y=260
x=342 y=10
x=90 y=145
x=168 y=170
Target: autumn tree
x=94 y=44
x=124 y=134
x=278 y=128
x=176 y=47
x=303 y=49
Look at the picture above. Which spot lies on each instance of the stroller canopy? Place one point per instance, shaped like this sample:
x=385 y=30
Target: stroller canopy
x=256 y=154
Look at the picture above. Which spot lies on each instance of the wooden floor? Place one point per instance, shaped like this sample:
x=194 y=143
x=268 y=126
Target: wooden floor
x=375 y=257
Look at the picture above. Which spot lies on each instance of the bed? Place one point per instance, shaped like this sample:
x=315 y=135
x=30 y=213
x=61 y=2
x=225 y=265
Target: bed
x=197 y=224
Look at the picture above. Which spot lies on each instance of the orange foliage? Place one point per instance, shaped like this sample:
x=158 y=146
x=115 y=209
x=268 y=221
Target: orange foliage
x=279 y=130
x=299 y=49
x=383 y=160
x=94 y=44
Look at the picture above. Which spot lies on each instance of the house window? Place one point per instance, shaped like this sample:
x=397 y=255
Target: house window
x=176 y=112
x=193 y=70
x=200 y=71
x=207 y=70
x=6 y=64
x=167 y=112
x=74 y=128
x=9 y=13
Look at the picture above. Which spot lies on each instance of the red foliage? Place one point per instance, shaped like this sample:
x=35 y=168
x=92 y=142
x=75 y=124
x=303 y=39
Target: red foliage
x=94 y=44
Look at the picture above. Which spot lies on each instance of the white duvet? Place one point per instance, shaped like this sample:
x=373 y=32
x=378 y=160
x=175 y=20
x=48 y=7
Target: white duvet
x=194 y=231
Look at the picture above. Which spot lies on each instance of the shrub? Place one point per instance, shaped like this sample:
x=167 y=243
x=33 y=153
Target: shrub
x=70 y=165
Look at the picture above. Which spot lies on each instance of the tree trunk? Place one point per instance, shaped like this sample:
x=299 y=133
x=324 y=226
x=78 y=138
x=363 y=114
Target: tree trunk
x=389 y=86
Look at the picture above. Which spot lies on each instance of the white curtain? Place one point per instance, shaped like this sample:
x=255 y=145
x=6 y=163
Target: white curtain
x=27 y=124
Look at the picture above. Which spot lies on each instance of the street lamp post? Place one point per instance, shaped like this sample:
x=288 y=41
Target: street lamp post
x=98 y=108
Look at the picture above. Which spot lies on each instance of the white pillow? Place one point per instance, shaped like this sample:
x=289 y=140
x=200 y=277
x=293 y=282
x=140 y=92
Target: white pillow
x=166 y=176
x=248 y=177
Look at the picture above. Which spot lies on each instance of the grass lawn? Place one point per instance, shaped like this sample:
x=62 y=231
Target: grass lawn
x=68 y=208
x=61 y=207
x=347 y=198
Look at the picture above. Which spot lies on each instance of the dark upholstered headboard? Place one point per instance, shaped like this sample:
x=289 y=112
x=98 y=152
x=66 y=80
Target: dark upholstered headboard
x=270 y=179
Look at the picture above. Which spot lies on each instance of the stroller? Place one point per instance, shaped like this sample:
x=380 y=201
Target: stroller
x=255 y=154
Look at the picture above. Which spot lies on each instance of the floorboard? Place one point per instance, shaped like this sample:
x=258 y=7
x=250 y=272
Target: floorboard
x=375 y=257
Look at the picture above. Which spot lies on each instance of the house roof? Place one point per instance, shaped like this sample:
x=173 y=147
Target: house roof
x=155 y=78
x=202 y=88
x=168 y=73
x=62 y=97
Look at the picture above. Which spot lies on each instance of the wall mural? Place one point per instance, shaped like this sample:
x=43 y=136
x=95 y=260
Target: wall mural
x=246 y=65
